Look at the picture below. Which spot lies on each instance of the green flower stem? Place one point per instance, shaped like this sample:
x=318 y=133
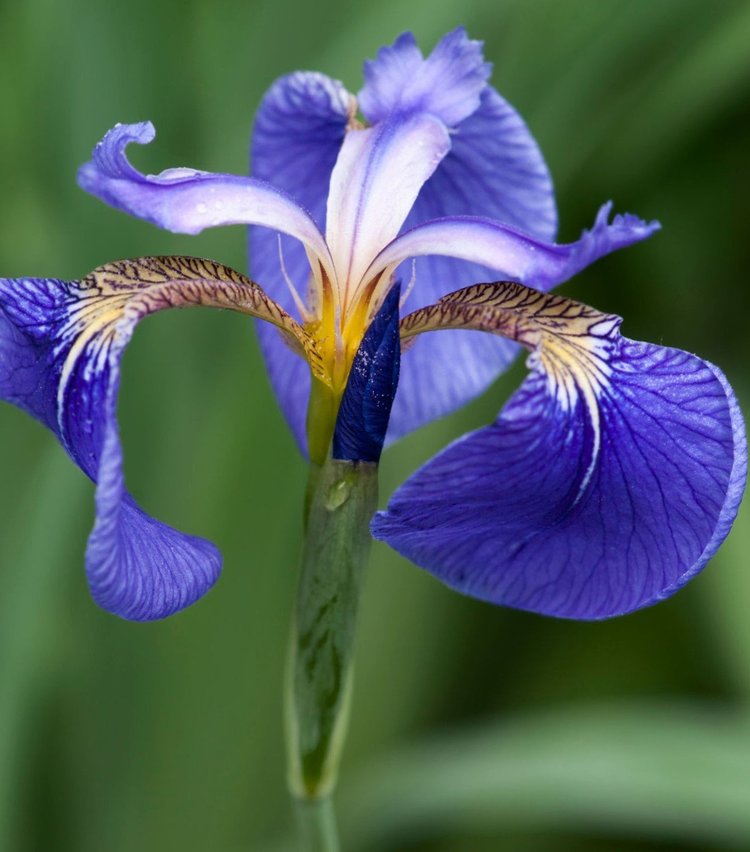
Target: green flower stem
x=341 y=500
x=321 y=421
x=317 y=824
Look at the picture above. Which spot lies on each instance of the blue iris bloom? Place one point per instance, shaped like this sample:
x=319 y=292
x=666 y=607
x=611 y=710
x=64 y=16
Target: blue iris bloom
x=607 y=481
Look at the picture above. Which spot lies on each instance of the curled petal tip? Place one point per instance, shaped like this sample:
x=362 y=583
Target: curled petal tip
x=141 y=132
x=515 y=255
x=186 y=201
x=109 y=157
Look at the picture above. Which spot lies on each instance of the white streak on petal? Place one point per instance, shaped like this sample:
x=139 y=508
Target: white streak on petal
x=374 y=184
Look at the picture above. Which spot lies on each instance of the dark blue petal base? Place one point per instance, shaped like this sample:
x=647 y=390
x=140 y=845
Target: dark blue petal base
x=365 y=408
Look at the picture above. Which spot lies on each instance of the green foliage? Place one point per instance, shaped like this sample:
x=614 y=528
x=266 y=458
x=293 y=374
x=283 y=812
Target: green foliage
x=660 y=768
x=473 y=728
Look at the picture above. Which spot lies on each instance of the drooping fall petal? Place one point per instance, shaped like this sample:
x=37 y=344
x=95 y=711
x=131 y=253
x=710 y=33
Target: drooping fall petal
x=61 y=343
x=608 y=480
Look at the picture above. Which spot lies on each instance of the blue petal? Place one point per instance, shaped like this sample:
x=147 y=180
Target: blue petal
x=600 y=489
x=366 y=405
x=137 y=567
x=298 y=132
x=61 y=344
x=446 y=85
x=442 y=372
x=495 y=169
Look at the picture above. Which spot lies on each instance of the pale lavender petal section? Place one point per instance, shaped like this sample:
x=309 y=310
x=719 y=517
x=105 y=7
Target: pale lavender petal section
x=297 y=135
x=566 y=512
x=513 y=255
x=447 y=84
x=137 y=567
x=186 y=200
x=375 y=182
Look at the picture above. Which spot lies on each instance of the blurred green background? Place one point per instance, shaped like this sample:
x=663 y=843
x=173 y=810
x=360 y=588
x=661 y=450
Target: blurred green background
x=474 y=728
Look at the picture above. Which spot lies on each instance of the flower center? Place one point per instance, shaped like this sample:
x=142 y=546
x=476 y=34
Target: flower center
x=337 y=328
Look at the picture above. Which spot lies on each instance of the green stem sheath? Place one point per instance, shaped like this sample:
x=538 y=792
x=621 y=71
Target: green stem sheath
x=341 y=500
x=317 y=824
x=322 y=411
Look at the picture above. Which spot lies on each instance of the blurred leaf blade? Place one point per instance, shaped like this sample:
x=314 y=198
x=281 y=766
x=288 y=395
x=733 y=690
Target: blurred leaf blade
x=672 y=771
x=33 y=626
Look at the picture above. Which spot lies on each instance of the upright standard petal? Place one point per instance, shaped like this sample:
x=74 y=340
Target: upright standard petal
x=447 y=84
x=60 y=349
x=296 y=139
x=186 y=200
x=494 y=169
x=609 y=479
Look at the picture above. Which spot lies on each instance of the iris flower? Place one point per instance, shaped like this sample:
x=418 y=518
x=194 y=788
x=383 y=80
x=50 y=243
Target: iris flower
x=607 y=481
